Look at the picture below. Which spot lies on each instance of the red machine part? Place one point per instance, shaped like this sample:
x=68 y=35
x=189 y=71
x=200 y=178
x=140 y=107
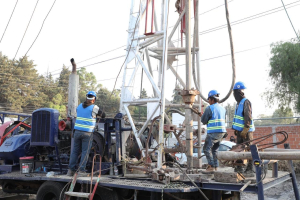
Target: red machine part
x=4 y=126
x=14 y=126
x=64 y=125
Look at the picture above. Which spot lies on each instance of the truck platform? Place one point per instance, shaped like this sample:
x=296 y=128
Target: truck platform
x=146 y=184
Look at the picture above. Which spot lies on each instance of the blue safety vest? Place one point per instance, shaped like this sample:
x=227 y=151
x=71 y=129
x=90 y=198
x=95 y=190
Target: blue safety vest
x=238 y=120
x=217 y=123
x=85 y=120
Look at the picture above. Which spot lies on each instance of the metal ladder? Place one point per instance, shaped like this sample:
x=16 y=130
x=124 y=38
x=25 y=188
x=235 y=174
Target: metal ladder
x=90 y=195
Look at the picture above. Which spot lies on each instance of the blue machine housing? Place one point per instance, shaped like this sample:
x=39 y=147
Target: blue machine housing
x=44 y=127
x=15 y=147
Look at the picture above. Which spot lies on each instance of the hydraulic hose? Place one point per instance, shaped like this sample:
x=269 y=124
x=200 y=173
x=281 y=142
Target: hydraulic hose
x=231 y=51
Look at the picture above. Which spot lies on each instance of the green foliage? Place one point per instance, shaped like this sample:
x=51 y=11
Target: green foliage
x=24 y=90
x=107 y=101
x=88 y=82
x=285 y=75
x=141 y=111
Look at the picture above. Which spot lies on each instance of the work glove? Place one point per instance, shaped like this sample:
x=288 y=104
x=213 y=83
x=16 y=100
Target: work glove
x=72 y=60
x=244 y=132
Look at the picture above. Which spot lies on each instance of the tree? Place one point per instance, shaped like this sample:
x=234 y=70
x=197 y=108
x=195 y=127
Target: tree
x=107 y=101
x=141 y=111
x=63 y=83
x=87 y=82
x=230 y=111
x=284 y=74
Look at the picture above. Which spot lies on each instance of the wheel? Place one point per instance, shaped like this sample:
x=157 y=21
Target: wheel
x=105 y=194
x=50 y=191
x=98 y=144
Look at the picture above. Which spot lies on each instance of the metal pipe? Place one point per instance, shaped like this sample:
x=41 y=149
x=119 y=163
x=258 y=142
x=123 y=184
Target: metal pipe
x=188 y=111
x=164 y=69
x=73 y=91
x=230 y=155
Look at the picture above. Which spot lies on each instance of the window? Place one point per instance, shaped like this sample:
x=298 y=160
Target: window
x=224 y=148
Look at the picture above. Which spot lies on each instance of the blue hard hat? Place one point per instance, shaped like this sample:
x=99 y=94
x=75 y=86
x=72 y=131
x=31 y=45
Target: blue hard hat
x=91 y=93
x=239 y=86
x=212 y=93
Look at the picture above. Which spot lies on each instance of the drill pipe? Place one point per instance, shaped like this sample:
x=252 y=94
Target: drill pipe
x=279 y=155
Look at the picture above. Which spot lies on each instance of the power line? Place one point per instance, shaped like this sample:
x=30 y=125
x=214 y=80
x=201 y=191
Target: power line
x=26 y=28
x=40 y=28
x=9 y=21
x=96 y=63
x=290 y=20
x=256 y=16
x=125 y=45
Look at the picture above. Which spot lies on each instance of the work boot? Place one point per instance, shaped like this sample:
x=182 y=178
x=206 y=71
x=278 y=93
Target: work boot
x=70 y=173
x=82 y=174
x=209 y=170
x=216 y=169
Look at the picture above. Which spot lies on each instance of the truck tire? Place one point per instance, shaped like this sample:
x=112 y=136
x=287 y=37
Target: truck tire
x=50 y=191
x=105 y=194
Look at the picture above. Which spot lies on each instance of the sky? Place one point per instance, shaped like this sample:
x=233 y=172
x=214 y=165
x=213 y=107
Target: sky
x=86 y=29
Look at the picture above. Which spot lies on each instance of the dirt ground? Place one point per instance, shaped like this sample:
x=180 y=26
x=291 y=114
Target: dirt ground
x=283 y=191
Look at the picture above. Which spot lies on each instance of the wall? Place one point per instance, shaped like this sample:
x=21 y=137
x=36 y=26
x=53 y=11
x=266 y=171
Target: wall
x=292 y=130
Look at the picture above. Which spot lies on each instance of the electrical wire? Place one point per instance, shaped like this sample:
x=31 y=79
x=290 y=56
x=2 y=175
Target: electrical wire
x=40 y=29
x=26 y=28
x=125 y=45
x=290 y=20
x=9 y=21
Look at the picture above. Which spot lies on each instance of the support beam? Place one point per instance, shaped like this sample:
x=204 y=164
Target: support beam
x=177 y=76
x=150 y=68
x=163 y=79
x=148 y=75
x=148 y=120
x=176 y=25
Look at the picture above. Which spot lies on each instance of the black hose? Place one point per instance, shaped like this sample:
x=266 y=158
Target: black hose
x=232 y=58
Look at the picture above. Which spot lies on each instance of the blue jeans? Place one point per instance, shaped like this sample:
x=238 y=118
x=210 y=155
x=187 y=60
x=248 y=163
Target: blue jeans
x=82 y=142
x=211 y=147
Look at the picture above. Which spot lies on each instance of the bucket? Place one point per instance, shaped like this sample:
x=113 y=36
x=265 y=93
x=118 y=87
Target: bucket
x=26 y=164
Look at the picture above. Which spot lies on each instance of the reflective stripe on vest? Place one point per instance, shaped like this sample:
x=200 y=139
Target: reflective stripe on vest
x=217 y=123
x=85 y=120
x=238 y=119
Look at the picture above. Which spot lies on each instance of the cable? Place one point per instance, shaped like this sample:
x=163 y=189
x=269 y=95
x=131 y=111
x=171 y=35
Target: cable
x=9 y=21
x=256 y=16
x=96 y=63
x=26 y=28
x=40 y=29
x=125 y=45
x=93 y=57
x=290 y=20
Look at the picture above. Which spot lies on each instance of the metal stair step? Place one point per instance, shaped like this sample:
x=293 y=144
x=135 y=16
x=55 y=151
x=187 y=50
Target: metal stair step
x=78 y=194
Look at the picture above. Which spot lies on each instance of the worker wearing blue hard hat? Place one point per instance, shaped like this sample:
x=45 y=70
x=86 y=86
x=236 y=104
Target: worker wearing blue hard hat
x=214 y=117
x=243 y=125
x=83 y=135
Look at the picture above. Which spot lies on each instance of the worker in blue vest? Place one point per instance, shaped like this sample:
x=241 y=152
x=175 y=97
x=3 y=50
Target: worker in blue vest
x=214 y=117
x=83 y=135
x=243 y=123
